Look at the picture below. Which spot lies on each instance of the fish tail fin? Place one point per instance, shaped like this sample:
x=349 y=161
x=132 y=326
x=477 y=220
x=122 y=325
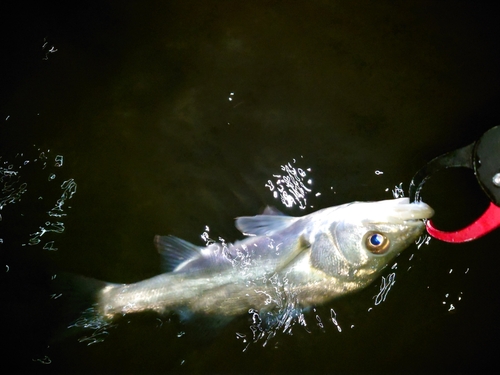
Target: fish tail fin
x=76 y=300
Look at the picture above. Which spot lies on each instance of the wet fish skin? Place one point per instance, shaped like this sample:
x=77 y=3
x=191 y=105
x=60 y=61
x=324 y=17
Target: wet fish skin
x=297 y=261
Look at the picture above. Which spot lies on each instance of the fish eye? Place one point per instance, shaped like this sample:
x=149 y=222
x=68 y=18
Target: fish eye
x=376 y=243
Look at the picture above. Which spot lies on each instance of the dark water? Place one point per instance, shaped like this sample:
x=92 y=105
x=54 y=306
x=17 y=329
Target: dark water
x=136 y=98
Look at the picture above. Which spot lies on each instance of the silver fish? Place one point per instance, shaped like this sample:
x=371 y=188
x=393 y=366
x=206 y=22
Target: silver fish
x=301 y=261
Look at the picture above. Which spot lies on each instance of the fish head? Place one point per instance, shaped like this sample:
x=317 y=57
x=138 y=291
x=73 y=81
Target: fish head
x=363 y=237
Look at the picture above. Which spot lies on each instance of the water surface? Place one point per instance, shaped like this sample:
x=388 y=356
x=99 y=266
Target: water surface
x=173 y=116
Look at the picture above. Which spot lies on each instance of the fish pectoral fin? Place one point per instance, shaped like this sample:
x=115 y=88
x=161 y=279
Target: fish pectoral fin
x=175 y=251
x=261 y=225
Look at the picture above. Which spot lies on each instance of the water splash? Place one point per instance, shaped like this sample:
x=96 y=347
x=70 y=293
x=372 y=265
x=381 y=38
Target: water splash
x=47 y=49
x=424 y=239
x=45 y=360
x=14 y=181
x=291 y=186
x=281 y=311
x=12 y=187
x=69 y=188
x=91 y=319
x=57 y=227
x=385 y=286
x=398 y=191
x=32 y=173
x=333 y=316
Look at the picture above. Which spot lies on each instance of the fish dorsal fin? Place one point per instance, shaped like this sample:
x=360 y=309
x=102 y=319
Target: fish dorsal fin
x=174 y=251
x=269 y=210
x=262 y=225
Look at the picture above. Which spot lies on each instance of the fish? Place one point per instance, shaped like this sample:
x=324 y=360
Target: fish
x=282 y=261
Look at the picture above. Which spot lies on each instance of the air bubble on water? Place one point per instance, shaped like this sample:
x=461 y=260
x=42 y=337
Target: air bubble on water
x=333 y=316
x=320 y=323
x=50 y=246
x=59 y=159
x=45 y=360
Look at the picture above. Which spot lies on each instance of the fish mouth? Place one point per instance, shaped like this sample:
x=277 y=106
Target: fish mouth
x=405 y=211
x=398 y=211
